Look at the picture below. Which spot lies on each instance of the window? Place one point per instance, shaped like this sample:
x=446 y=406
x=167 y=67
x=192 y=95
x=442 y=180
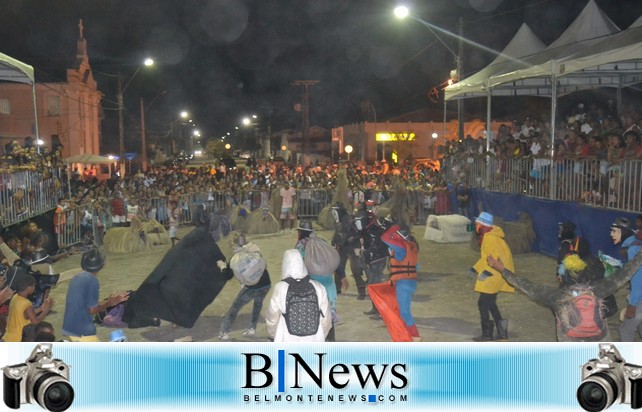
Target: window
x=5 y=106
x=53 y=105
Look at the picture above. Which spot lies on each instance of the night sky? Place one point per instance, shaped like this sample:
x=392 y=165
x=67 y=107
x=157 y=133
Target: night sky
x=224 y=59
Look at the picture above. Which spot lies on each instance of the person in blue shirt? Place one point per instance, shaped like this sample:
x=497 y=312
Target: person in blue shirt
x=82 y=300
x=631 y=326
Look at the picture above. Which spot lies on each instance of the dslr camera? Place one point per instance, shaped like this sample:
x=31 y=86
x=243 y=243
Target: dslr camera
x=41 y=379
x=608 y=380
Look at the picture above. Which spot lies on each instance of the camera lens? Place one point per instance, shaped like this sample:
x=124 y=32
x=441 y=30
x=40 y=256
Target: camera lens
x=597 y=392
x=58 y=396
x=53 y=392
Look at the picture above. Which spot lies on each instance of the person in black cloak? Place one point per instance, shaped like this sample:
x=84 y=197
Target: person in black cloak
x=185 y=281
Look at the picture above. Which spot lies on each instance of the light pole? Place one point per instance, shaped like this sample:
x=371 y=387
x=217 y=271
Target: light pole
x=383 y=143
x=121 y=108
x=143 y=132
x=253 y=121
x=401 y=12
x=183 y=115
x=434 y=144
x=348 y=150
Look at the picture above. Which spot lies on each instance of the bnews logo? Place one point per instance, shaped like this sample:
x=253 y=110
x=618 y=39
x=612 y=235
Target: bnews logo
x=292 y=371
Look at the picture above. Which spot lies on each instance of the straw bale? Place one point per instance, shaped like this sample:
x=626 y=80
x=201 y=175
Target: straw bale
x=261 y=222
x=237 y=220
x=519 y=234
x=124 y=240
x=155 y=232
x=325 y=219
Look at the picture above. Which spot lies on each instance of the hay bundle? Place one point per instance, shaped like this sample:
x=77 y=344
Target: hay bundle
x=325 y=219
x=275 y=202
x=239 y=218
x=155 y=233
x=261 y=221
x=400 y=207
x=518 y=234
x=124 y=240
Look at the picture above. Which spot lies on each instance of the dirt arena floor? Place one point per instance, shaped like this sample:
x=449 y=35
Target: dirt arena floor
x=444 y=307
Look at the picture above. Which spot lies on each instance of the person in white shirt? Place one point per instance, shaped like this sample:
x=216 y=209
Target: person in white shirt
x=287 y=194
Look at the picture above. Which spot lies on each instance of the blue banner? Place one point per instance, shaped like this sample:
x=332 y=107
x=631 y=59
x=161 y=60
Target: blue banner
x=230 y=377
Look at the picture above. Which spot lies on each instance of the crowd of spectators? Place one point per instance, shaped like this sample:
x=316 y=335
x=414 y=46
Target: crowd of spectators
x=595 y=155
x=593 y=133
x=30 y=156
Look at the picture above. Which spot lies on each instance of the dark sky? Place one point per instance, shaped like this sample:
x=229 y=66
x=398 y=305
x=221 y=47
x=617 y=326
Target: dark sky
x=223 y=59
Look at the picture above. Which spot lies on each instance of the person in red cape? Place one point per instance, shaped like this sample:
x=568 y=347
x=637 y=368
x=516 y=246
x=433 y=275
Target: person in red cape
x=394 y=298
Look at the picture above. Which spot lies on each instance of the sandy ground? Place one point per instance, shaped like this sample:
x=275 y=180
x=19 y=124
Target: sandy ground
x=444 y=307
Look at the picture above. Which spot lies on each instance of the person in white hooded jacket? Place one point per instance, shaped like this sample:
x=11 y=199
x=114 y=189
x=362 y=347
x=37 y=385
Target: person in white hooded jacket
x=293 y=267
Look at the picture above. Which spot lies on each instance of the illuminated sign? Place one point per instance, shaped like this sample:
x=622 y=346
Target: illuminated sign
x=396 y=137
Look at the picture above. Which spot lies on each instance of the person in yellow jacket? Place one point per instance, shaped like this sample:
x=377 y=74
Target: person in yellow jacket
x=489 y=282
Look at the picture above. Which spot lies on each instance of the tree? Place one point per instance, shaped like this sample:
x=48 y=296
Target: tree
x=216 y=149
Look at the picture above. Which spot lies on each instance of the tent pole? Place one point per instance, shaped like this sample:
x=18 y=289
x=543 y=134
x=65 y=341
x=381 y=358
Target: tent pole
x=489 y=136
x=619 y=100
x=489 y=125
x=553 y=179
x=35 y=114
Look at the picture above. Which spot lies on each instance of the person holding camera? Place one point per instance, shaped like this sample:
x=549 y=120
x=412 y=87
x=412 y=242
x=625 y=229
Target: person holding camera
x=82 y=300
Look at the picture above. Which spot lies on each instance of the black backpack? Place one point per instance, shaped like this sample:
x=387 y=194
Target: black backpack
x=302 y=315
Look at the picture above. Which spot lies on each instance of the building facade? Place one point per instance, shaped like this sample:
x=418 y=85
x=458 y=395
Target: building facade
x=401 y=140
x=68 y=112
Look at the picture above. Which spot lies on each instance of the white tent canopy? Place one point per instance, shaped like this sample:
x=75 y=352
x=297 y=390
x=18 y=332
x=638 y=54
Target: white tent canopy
x=13 y=70
x=524 y=43
x=591 y=53
x=88 y=158
x=532 y=75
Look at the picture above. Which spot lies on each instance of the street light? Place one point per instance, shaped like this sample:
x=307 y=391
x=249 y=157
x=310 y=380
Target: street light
x=401 y=12
x=434 y=144
x=253 y=121
x=121 y=107
x=348 y=150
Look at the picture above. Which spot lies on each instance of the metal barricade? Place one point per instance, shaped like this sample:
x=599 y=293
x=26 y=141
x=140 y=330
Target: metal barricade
x=309 y=202
x=25 y=194
x=74 y=226
x=590 y=181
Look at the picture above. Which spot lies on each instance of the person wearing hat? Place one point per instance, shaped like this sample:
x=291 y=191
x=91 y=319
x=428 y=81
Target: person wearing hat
x=621 y=233
x=82 y=299
x=489 y=281
x=347 y=241
x=577 y=307
x=571 y=244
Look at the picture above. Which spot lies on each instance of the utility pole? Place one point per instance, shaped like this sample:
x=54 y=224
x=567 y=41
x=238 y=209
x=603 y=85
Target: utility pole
x=121 y=127
x=460 y=68
x=143 y=137
x=306 y=113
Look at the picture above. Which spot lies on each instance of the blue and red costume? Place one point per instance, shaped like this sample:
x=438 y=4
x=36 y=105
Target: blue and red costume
x=394 y=298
